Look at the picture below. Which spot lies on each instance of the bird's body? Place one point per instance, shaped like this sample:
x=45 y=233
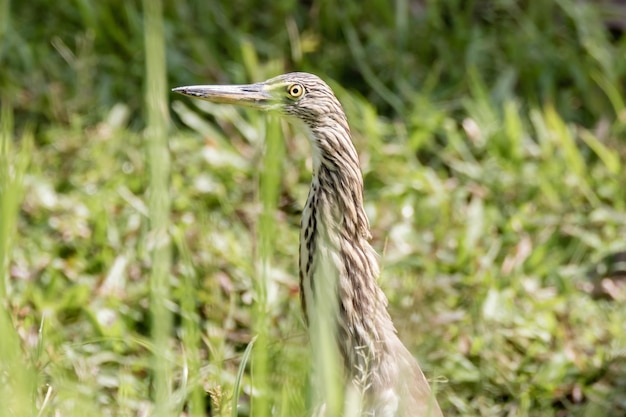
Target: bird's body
x=338 y=266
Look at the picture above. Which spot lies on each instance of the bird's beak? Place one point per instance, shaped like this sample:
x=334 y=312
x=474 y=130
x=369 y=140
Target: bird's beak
x=251 y=95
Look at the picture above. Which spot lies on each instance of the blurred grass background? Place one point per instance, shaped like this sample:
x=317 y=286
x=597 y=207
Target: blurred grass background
x=493 y=142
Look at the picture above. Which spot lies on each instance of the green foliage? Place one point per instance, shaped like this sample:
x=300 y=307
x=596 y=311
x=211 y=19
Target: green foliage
x=492 y=141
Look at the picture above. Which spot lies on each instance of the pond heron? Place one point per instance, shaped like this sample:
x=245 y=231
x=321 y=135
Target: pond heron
x=338 y=266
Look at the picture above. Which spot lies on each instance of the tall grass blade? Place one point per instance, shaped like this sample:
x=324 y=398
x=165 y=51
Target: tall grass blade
x=239 y=379
x=18 y=387
x=266 y=287
x=159 y=205
x=191 y=337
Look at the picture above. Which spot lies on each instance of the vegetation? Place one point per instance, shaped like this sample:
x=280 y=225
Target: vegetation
x=141 y=277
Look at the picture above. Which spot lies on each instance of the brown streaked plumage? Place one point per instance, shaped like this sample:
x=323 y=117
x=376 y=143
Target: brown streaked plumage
x=338 y=266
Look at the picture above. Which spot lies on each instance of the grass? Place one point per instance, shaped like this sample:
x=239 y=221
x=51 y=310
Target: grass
x=17 y=368
x=158 y=239
x=142 y=255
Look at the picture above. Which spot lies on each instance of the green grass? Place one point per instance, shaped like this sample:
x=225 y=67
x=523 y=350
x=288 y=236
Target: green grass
x=18 y=369
x=143 y=255
x=158 y=237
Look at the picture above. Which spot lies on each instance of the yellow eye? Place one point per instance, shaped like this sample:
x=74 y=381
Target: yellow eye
x=295 y=90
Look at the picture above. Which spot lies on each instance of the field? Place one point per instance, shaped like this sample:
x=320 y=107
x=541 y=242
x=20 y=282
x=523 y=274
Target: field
x=149 y=242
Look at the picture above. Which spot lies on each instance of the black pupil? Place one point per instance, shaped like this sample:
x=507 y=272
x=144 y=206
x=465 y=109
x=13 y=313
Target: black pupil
x=295 y=91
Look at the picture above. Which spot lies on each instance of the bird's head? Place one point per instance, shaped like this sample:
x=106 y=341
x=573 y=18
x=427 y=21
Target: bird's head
x=298 y=94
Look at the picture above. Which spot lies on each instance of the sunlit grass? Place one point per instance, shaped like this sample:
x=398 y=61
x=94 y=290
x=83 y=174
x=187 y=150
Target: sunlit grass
x=19 y=390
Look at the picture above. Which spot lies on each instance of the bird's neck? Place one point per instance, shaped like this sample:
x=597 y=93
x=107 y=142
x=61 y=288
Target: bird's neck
x=338 y=266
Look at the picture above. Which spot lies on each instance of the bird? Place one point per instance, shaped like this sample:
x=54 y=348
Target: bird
x=338 y=268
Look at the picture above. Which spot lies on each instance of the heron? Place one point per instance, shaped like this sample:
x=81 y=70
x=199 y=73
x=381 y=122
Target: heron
x=338 y=267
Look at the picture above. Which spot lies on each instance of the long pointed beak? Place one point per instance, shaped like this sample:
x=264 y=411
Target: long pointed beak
x=251 y=95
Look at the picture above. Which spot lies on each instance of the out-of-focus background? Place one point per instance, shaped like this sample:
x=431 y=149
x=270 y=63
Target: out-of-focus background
x=145 y=246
